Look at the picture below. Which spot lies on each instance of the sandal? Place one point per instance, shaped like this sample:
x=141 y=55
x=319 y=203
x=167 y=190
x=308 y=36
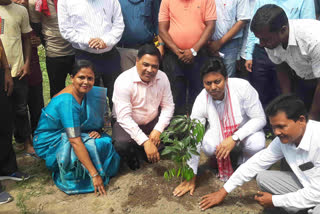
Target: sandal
x=33 y=155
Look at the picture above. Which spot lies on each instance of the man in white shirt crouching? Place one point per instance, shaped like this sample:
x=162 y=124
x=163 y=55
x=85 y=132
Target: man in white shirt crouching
x=235 y=118
x=298 y=142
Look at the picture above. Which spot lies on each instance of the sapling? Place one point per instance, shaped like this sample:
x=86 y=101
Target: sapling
x=181 y=139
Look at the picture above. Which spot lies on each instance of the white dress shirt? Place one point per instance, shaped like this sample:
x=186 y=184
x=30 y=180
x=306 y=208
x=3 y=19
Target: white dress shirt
x=137 y=103
x=303 y=51
x=307 y=151
x=79 y=21
x=294 y=9
x=228 y=13
x=247 y=111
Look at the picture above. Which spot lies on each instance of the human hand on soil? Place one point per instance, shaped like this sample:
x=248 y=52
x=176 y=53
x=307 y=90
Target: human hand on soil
x=225 y=147
x=98 y=185
x=212 y=199
x=154 y=137
x=94 y=134
x=185 y=187
x=151 y=151
x=264 y=199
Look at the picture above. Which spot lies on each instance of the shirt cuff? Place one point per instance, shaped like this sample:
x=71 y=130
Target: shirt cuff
x=248 y=56
x=193 y=163
x=106 y=40
x=242 y=134
x=141 y=138
x=159 y=127
x=229 y=187
x=277 y=200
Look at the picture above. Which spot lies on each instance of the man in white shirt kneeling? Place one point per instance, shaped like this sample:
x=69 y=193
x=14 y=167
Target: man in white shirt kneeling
x=298 y=142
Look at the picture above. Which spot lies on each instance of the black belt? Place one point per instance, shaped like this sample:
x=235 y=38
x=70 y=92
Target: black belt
x=96 y=55
x=132 y=46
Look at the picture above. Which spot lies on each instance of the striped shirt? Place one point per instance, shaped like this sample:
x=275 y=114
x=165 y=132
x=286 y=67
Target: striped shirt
x=79 y=21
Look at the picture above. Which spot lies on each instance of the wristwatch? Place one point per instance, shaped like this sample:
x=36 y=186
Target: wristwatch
x=236 y=138
x=194 y=53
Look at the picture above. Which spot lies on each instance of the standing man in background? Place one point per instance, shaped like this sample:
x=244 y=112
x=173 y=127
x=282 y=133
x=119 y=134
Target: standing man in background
x=94 y=28
x=263 y=76
x=16 y=41
x=232 y=17
x=185 y=28
x=141 y=26
x=59 y=52
x=14 y=26
x=295 y=42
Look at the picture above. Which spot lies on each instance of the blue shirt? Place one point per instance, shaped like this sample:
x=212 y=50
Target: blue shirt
x=140 y=19
x=295 y=9
x=228 y=13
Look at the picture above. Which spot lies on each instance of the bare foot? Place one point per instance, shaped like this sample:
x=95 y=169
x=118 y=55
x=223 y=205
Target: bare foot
x=28 y=147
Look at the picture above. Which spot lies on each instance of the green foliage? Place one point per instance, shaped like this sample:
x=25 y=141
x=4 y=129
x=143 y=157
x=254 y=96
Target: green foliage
x=45 y=83
x=20 y=203
x=270 y=135
x=181 y=139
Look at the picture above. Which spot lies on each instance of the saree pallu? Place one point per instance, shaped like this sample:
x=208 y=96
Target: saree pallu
x=64 y=117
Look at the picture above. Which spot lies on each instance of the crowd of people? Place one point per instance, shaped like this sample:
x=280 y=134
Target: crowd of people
x=149 y=60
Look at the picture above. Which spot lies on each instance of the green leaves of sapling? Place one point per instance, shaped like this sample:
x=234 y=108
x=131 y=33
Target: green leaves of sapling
x=181 y=139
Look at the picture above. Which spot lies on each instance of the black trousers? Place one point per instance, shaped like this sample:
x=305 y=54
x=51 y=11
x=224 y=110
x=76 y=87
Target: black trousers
x=8 y=164
x=264 y=76
x=129 y=151
x=185 y=80
x=58 y=69
x=304 y=89
x=35 y=104
x=21 y=122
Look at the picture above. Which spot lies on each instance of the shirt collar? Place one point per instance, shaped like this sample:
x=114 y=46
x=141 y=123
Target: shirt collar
x=306 y=139
x=292 y=39
x=136 y=77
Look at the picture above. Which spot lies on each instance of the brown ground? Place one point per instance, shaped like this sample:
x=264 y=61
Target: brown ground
x=141 y=191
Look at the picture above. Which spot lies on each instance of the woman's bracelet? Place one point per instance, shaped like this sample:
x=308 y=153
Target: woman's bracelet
x=95 y=175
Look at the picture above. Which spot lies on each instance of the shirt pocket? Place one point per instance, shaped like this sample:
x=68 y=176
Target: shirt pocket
x=311 y=173
x=229 y=11
x=78 y=10
x=77 y=13
x=146 y=8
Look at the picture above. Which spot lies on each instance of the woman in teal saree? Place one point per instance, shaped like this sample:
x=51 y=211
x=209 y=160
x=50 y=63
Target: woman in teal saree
x=67 y=137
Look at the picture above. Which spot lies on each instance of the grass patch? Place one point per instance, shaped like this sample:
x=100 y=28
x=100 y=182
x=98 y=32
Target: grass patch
x=20 y=203
x=45 y=83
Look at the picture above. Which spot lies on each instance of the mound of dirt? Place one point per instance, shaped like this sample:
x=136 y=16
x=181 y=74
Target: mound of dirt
x=141 y=191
